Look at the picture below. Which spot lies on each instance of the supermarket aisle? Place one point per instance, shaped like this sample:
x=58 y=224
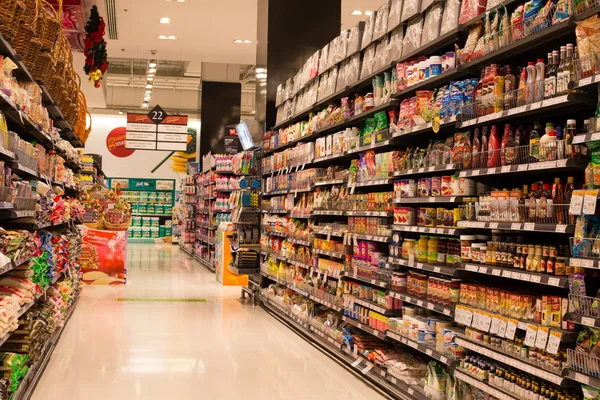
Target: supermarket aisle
x=220 y=349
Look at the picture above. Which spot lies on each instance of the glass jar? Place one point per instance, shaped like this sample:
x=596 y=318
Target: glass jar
x=408 y=247
x=465 y=247
x=422 y=246
x=432 y=248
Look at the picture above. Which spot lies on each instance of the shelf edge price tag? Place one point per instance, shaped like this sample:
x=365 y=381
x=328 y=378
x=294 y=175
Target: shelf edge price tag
x=530 y=335
x=553 y=342
x=576 y=204
x=542 y=337
x=511 y=329
x=589 y=202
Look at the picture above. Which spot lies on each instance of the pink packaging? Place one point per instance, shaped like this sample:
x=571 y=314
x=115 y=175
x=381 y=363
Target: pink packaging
x=436 y=186
x=470 y=9
x=424 y=187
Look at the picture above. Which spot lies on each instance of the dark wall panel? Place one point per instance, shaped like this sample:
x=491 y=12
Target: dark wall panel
x=296 y=29
x=221 y=102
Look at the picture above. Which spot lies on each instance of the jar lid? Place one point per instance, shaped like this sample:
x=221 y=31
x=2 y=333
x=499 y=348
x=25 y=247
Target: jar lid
x=478 y=245
x=468 y=237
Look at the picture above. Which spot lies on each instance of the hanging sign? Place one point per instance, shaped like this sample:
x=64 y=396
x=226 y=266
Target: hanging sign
x=115 y=143
x=157 y=131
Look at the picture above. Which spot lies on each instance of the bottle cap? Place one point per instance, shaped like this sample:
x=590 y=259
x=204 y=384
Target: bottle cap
x=530 y=63
x=540 y=60
x=552 y=133
x=571 y=121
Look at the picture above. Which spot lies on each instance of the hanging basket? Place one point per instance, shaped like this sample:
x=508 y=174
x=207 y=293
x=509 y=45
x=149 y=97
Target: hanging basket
x=52 y=24
x=10 y=14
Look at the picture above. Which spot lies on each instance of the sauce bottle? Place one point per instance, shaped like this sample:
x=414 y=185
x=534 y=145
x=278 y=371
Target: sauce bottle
x=476 y=149
x=551 y=260
x=542 y=208
x=484 y=148
x=537 y=259
x=493 y=148
x=534 y=140
x=571 y=150
x=498 y=77
x=540 y=76
x=558 y=198
x=522 y=94
x=510 y=85
x=532 y=206
x=531 y=81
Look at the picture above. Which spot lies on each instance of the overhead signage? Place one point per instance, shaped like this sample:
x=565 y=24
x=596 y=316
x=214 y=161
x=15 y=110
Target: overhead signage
x=157 y=131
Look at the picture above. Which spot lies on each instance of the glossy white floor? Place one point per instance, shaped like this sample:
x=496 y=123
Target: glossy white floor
x=220 y=349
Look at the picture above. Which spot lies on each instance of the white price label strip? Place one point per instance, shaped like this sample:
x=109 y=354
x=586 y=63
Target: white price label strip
x=542 y=337
x=576 y=205
x=589 y=202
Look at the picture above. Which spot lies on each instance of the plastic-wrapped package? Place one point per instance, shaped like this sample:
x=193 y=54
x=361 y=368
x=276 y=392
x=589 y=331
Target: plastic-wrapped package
x=367 y=36
x=368 y=61
x=492 y=3
x=395 y=44
x=314 y=65
x=354 y=70
x=395 y=14
x=348 y=72
x=324 y=60
x=381 y=53
x=470 y=9
x=450 y=17
x=354 y=38
x=431 y=26
x=279 y=95
x=338 y=48
x=425 y=4
x=323 y=81
x=410 y=9
x=381 y=20
x=412 y=38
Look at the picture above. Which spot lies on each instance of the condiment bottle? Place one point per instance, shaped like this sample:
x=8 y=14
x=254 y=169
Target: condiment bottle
x=537 y=259
x=522 y=94
x=510 y=85
x=517 y=258
x=493 y=159
x=529 y=259
x=484 y=148
x=551 y=260
x=571 y=150
x=550 y=80
x=531 y=81
x=534 y=140
x=498 y=76
x=476 y=149
x=532 y=206
x=545 y=257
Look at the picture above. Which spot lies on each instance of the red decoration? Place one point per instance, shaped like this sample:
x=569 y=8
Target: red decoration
x=115 y=143
x=95 y=48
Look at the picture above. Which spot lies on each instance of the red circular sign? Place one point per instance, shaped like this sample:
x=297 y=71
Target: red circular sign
x=115 y=142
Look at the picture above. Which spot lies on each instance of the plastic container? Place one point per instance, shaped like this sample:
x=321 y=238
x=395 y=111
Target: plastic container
x=540 y=74
x=435 y=66
x=531 y=80
x=466 y=241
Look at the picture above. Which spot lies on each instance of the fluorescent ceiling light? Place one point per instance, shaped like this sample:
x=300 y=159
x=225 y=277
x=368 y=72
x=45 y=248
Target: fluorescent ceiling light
x=261 y=76
x=261 y=70
x=151 y=70
x=152 y=64
x=149 y=86
x=121 y=112
x=356 y=12
x=150 y=78
x=368 y=12
x=148 y=91
x=165 y=20
x=247 y=41
x=150 y=75
x=170 y=37
x=144 y=105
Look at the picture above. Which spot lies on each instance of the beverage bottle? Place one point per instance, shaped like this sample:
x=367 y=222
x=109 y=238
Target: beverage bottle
x=560 y=143
x=509 y=147
x=569 y=68
x=569 y=188
x=522 y=95
x=498 y=78
x=558 y=198
x=531 y=80
x=489 y=90
x=534 y=140
x=510 y=85
x=550 y=79
x=540 y=76
x=548 y=143
x=571 y=150
x=560 y=81
x=533 y=202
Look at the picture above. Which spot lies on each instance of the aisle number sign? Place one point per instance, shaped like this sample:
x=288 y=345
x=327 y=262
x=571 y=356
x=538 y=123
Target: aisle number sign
x=156 y=131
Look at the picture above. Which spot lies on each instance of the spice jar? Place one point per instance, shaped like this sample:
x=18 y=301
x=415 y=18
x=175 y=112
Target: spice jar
x=465 y=246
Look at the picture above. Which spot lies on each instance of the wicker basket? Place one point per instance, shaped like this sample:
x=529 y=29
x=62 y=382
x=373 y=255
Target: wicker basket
x=95 y=225
x=10 y=13
x=117 y=227
x=58 y=73
x=52 y=24
x=25 y=41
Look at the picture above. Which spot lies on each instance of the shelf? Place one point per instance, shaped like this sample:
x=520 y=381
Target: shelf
x=287 y=191
x=431 y=199
x=588 y=137
x=302 y=292
x=152 y=215
x=426 y=170
x=567 y=164
x=299 y=241
x=518 y=226
x=509 y=360
x=372 y=238
x=329 y=253
x=328 y=232
x=593 y=322
x=437 y=269
x=364 y=327
x=423 y=303
x=369 y=213
x=373 y=182
x=328 y=212
x=514 y=274
x=581 y=378
x=447 y=122
x=300 y=215
x=444 y=359
x=425 y=229
x=275 y=211
x=374 y=282
x=375 y=307
x=571 y=100
x=484 y=387
x=330 y=182
x=271 y=233
x=205 y=263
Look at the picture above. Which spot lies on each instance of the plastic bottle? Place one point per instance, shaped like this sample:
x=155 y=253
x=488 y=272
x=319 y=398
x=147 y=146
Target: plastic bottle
x=493 y=148
x=560 y=143
x=476 y=149
x=510 y=85
x=435 y=65
x=521 y=95
x=534 y=140
x=548 y=145
x=499 y=90
x=530 y=86
x=540 y=76
x=484 y=148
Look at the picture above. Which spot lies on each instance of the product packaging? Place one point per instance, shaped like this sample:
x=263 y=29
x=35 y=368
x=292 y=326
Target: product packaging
x=410 y=9
x=395 y=44
x=412 y=38
x=381 y=20
x=367 y=36
x=450 y=16
x=431 y=26
x=395 y=14
x=355 y=38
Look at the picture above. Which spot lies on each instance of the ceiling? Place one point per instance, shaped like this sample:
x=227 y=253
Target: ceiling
x=205 y=32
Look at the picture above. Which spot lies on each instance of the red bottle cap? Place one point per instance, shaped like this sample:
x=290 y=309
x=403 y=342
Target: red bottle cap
x=530 y=63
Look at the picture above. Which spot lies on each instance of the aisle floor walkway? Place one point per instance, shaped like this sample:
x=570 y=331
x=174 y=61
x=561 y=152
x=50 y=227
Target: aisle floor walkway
x=221 y=349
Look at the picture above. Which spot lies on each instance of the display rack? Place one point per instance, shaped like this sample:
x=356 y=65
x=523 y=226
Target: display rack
x=152 y=202
x=404 y=233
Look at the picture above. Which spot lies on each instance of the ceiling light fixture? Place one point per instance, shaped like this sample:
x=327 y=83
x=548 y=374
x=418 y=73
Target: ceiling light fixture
x=148 y=86
x=245 y=41
x=148 y=91
x=261 y=76
x=144 y=105
x=150 y=78
x=356 y=12
x=165 y=20
x=151 y=70
x=368 y=13
x=152 y=64
x=261 y=70
x=121 y=112
x=170 y=37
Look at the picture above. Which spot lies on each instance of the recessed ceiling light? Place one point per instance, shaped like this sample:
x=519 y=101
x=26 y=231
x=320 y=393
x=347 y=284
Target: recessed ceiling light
x=149 y=86
x=261 y=76
x=165 y=20
x=238 y=41
x=149 y=79
x=121 y=112
x=261 y=70
x=356 y=12
x=144 y=105
x=151 y=75
x=247 y=41
x=148 y=91
x=170 y=37
x=368 y=12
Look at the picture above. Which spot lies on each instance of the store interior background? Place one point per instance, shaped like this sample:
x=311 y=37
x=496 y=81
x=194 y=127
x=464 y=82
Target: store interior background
x=196 y=54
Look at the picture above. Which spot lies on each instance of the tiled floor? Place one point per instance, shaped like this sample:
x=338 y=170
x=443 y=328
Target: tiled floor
x=220 y=349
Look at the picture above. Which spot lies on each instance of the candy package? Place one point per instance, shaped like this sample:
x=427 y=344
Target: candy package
x=561 y=12
x=368 y=61
x=516 y=21
x=395 y=44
